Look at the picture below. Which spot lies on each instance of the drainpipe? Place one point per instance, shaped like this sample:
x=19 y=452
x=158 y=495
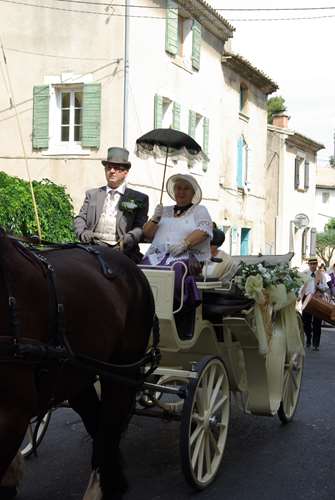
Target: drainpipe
x=126 y=75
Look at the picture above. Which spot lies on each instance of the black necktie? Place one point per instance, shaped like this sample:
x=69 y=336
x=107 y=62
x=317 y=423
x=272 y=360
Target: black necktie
x=313 y=275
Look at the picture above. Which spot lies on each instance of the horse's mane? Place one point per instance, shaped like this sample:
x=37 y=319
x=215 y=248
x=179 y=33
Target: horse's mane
x=25 y=252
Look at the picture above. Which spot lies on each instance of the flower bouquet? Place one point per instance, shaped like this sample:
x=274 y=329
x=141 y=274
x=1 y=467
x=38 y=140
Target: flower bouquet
x=274 y=289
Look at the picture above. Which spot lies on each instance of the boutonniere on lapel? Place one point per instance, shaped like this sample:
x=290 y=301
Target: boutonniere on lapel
x=128 y=206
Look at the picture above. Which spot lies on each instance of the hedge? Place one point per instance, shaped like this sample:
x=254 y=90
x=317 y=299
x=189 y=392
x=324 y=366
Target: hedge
x=17 y=214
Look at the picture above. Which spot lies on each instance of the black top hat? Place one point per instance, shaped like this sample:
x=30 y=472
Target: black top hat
x=118 y=156
x=218 y=237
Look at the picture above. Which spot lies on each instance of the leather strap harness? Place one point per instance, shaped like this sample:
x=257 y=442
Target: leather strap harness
x=15 y=348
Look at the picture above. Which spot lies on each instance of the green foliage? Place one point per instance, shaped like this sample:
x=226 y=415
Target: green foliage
x=275 y=105
x=270 y=276
x=325 y=243
x=332 y=161
x=54 y=208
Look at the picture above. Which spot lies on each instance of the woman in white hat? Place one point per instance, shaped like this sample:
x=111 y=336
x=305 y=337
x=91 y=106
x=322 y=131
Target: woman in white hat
x=182 y=230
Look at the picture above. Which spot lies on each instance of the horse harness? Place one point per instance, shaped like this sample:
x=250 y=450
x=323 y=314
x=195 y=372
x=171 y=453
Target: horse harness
x=14 y=348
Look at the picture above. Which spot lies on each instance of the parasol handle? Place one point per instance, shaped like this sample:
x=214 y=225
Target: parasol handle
x=162 y=188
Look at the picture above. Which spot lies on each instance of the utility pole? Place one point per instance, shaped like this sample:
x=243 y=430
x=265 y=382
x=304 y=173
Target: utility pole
x=126 y=74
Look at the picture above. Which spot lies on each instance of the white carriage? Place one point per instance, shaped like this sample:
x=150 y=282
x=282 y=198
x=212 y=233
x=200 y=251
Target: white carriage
x=198 y=375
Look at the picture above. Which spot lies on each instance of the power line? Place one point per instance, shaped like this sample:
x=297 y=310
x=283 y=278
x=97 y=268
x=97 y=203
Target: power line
x=108 y=14
x=41 y=54
x=110 y=4
x=282 y=18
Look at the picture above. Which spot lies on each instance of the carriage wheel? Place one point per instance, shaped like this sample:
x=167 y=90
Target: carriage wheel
x=35 y=429
x=294 y=365
x=170 y=402
x=204 y=423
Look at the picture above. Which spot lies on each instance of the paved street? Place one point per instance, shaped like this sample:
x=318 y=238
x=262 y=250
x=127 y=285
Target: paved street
x=263 y=459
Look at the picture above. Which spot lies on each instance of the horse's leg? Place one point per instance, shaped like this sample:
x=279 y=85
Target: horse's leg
x=13 y=425
x=17 y=405
x=116 y=407
x=87 y=405
x=13 y=476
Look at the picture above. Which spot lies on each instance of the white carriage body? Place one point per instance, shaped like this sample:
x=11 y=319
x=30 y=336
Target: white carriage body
x=258 y=377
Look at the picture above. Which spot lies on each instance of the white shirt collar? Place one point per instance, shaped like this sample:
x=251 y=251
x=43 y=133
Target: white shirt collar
x=121 y=189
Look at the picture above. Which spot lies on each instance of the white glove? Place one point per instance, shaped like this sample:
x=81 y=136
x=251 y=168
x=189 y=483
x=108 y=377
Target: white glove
x=158 y=212
x=178 y=248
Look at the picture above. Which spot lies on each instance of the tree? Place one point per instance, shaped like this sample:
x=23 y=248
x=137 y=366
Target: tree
x=275 y=105
x=332 y=161
x=325 y=243
x=54 y=208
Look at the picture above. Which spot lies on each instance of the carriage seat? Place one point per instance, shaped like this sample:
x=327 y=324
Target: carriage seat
x=215 y=305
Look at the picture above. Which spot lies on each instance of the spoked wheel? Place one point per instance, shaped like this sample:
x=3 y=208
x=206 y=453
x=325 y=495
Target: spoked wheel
x=294 y=365
x=204 y=423
x=35 y=430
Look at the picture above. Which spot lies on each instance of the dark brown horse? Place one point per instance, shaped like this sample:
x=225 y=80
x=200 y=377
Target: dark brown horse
x=108 y=318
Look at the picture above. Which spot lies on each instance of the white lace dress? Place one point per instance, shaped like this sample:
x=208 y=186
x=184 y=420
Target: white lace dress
x=172 y=230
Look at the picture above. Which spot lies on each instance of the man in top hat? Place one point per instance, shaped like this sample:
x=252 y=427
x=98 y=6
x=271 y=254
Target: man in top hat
x=315 y=280
x=114 y=215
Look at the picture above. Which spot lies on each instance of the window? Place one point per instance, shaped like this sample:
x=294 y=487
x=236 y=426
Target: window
x=166 y=113
x=70 y=106
x=198 y=128
x=243 y=98
x=245 y=241
x=182 y=36
x=66 y=118
x=325 y=196
x=301 y=174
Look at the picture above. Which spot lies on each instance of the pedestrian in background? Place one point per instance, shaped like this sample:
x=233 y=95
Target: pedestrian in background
x=332 y=280
x=315 y=282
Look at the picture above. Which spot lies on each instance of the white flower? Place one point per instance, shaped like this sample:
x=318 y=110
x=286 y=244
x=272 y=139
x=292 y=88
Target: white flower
x=129 y=204
x=254 y=288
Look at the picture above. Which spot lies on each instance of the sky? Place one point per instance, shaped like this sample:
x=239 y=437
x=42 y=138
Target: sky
x=298 y=55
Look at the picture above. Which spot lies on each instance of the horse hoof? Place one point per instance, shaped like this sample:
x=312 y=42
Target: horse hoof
x=8 y=492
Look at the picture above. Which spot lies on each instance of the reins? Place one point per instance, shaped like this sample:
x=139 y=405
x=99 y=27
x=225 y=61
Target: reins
x=15 y=348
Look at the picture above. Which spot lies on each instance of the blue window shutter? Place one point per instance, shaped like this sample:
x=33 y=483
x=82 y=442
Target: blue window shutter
x=205 y=142
x=239 y=166
x=196 y=44
x=250 y=166
x=306 y=178
x=176 y=116
x=192 y=120
x=41 y=116
x=90 y=135
x=171 y=27
x=245 y=234
x=158 y=111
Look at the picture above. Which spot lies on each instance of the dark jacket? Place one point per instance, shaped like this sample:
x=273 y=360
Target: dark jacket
x=127 y=220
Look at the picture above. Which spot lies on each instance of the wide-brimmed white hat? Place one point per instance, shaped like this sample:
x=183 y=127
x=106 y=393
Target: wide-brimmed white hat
x=171 y=182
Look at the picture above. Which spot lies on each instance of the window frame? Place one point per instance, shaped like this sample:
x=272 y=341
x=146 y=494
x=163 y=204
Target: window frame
x=64 y=80
x=300 y=174
x=327 y=193
x=243 y=99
